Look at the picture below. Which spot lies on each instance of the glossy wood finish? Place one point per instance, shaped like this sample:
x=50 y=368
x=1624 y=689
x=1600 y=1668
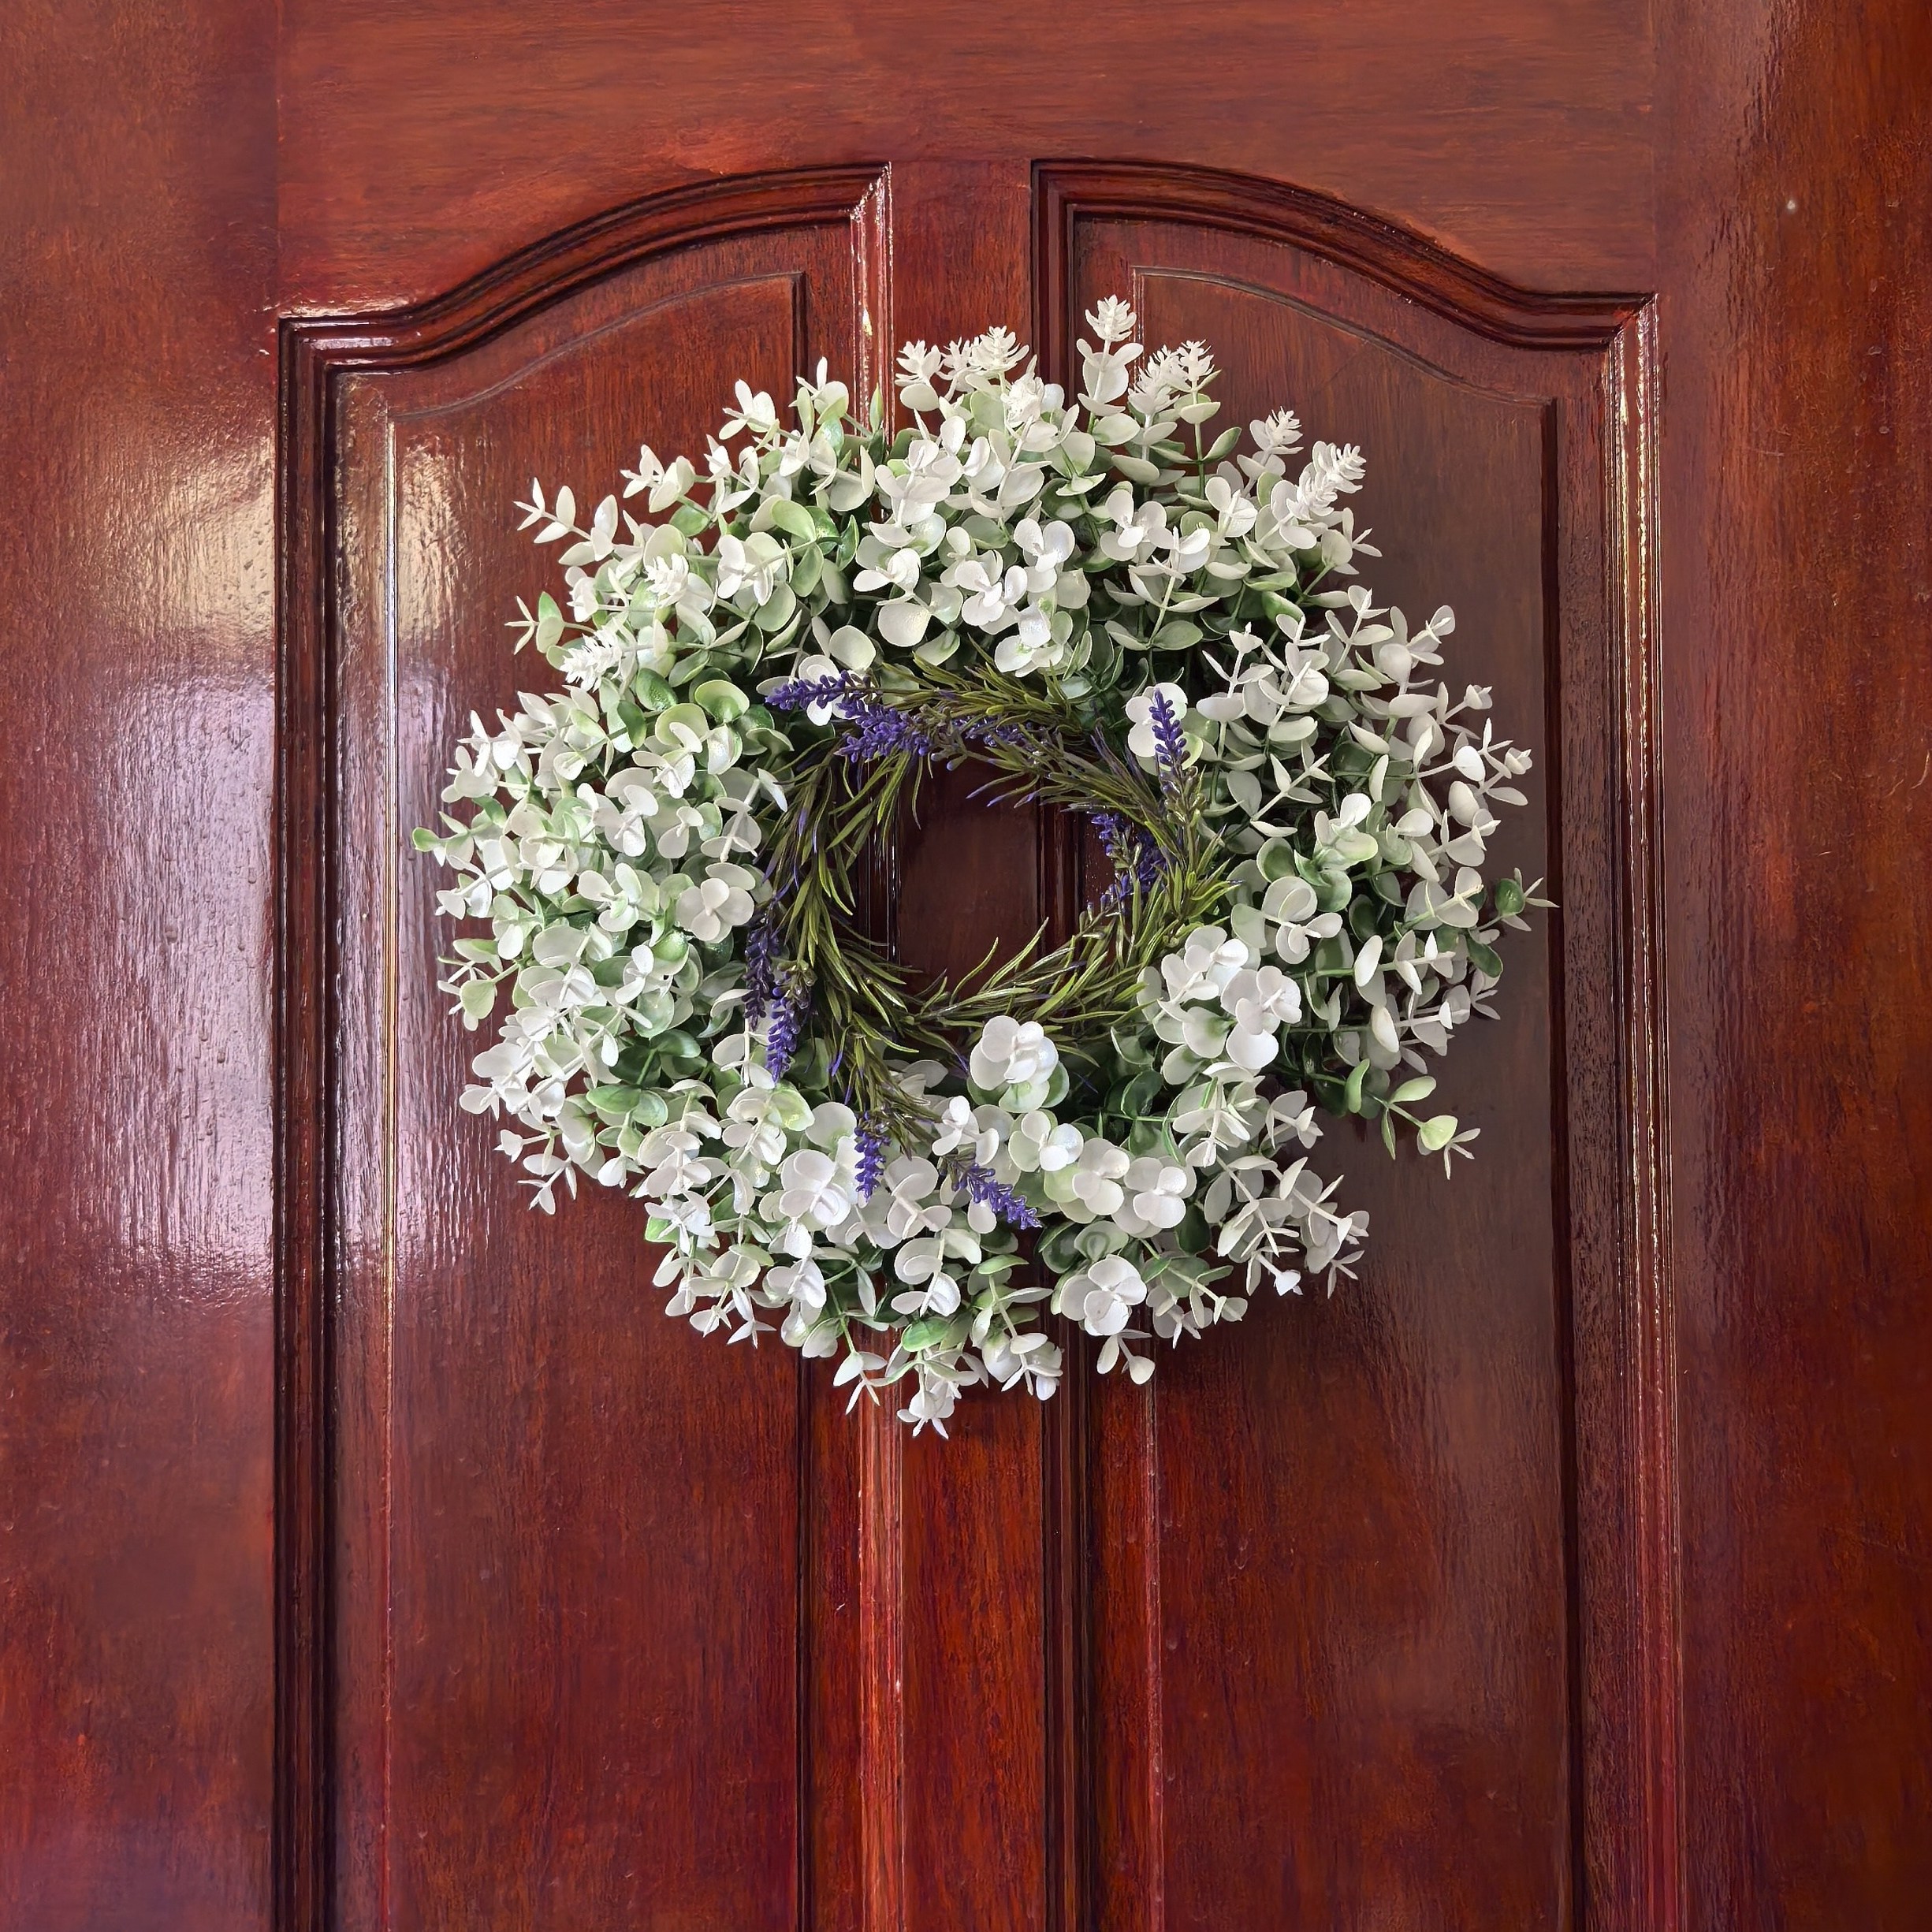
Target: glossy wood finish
x=994 y=1610
x=1369 y=1567
x=1792 y=245
x=137 y=666
x=1381 y=1611
x=623 y=1628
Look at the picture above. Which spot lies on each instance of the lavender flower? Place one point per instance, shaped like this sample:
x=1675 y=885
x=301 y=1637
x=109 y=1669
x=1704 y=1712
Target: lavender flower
x=763 y=953
x=1137 y=860
x=1114 y=830
x=983 y=1186
x=880 y=730
x=874 y=729
x=1170 y=744
x=1021 y=735
x=802 y=691
x=791 y=1004
x=871 y=1145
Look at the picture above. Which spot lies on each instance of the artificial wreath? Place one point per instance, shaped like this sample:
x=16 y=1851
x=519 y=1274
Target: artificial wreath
x=1122 y=615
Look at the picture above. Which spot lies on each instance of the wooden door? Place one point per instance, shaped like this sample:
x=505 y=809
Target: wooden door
x=1564 y=1569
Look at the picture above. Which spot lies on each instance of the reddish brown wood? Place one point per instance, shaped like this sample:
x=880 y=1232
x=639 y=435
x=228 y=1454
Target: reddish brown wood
x=1533 y=561
x=516 y=1623
x=1525 y=139
x=137 y=384
x=1795 y=176
x=1315 y=1578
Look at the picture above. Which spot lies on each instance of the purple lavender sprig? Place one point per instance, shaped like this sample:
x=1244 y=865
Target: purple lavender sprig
x=1023 y=737
x=791 y=1004
x=871 y=1145
x=1170 y=742
x=984 y=1187
x=873 y=728
x=1115 y=832
x=764 y=951
x=878 y=730
x=802 y=691
x=1137 y=860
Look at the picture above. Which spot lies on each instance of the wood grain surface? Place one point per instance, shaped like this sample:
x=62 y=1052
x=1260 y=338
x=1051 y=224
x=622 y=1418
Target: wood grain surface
x=372 y=1554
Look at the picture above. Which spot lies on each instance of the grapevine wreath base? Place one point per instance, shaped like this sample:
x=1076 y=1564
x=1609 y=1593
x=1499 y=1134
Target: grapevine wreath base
x=1121 y=613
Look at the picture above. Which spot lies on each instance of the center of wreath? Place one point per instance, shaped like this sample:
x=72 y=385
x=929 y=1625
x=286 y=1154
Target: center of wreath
x=816 y=978
x=966 y=880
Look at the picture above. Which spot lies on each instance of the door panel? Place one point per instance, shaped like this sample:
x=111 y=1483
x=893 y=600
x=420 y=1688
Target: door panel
x=1297 y=1632
x=565 y=1531
x=1355 y=1597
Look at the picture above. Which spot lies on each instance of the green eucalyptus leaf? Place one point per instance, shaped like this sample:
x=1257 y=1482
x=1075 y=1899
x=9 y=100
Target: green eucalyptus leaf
x=1486 y=957
x=794 y=518
x=1351 y=1094
x=722 y=700
x=549 y=622
x=930 y=1333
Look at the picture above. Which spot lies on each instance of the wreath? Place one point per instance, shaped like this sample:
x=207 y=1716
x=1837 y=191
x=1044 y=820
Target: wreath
x=1122 y=615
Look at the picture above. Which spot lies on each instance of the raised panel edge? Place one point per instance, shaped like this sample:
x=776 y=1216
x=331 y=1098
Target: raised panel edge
x=1631 y=1830
x=314 y=352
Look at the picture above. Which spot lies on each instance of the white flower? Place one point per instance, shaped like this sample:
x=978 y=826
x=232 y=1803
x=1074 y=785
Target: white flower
x=709 y=910
x=1135 y=531
x=1234 y=512
x=1111 y=319
x=1041 y=1144
x=752 y=1129
x=691 y=1219
x=800 y=1283
x=670 y=581
x=756 y=563
x=1089 y=1190
x=1032 y=645
x=973 y=1134
x=1099 y=1298
x=1205 y=963
x=813 y=1190
x=921 y=1263
x=506 y=1068
x=940 y=1296
x=1012 y=1053
x=755 y=413
x=903 y=1201
x=1009 y=1359
x=955 y=1122
x=1045 y=550
x=1157 y=1193
x=1291 y=901
x=671 y=825
x=932 y=1402
x=1340 y=469
x=919 y=1259
x=1260 y=1000
x=993 y=595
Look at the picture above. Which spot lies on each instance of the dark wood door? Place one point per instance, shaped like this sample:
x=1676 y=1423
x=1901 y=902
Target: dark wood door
x=381 y=1557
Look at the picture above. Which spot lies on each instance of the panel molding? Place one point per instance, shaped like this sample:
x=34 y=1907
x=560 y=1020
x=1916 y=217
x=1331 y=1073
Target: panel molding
x=1623 y=1358
x=1399 y=258
x=1632 y=1725
x=317 y=352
